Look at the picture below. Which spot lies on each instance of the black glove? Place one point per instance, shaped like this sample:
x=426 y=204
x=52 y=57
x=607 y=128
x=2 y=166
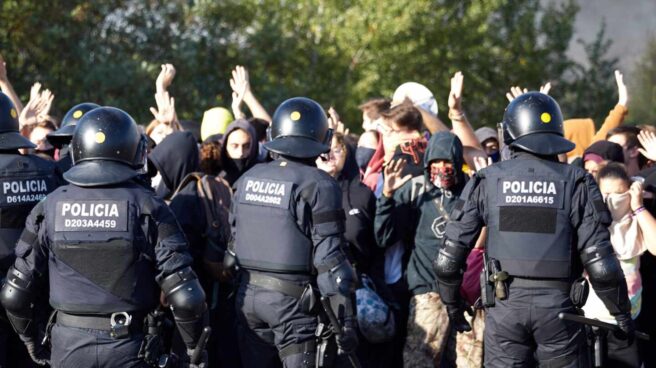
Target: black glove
x=627 y=327
x=39 y=353
x=347 y=341
x=457 y=318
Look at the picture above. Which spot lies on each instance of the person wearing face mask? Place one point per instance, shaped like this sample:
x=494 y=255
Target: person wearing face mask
x=416 y=211
x=490 y=142
x=632 y=233
x=239 y=150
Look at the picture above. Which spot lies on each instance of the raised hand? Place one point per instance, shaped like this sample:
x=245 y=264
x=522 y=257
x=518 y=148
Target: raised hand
x=393 y=179
x=165 y=112
x=335 y=123
x=647 y=140
x=621 y=89
x=455 y=96
x=239 y=82
x=165 y=78
x=515 y=92
x=481 y=162
x=237 y=100
x=38 y=106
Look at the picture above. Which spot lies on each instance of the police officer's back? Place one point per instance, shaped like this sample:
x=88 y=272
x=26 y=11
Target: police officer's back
x=545 y=221
x=25 y=180
x=103 y=244
x=288 y=222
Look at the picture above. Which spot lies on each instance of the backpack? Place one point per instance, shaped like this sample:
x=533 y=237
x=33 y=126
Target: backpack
x=215 y=195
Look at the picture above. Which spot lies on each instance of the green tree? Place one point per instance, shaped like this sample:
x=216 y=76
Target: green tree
x=339 y=52
x=643 y=93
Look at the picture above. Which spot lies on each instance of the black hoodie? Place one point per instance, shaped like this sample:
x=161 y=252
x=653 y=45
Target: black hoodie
x=175 y=157
x=231 y=171
x=415 y=214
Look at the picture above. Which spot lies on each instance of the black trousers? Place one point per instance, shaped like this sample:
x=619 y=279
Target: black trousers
x=81 y=347
x=270 y=324
x=526 y=327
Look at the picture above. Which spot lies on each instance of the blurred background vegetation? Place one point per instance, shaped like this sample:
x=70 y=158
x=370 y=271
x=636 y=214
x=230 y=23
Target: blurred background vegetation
x=338 y=52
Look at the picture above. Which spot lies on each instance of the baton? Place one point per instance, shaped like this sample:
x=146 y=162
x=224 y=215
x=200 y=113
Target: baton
x=598 y=323
x=337 y=328
x=200 y=346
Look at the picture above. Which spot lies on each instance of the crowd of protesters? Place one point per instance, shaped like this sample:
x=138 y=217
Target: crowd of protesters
x=400 y=178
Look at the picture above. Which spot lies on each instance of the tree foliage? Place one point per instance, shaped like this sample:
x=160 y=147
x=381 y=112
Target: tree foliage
x=339 y=52
x=643 y=99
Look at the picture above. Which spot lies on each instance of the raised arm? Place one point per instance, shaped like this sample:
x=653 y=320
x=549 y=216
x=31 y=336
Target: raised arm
x=616 y=116
x=242 y=91
x=7 y=88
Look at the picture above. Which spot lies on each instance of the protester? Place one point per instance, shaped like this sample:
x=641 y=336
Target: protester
x=632 y=232
x=239 y=150
x=174 y=158
x=599 y=154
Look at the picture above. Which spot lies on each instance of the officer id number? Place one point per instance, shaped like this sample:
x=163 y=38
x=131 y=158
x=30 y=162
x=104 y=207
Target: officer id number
x=100 y=215
x=90 y=223
x=534 y=192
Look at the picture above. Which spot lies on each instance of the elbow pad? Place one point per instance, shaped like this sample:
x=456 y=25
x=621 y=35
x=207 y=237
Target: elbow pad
x=450 y=262
x=185 y=294
x=607 y=278
x=17 y=299
x=449 y=268
x=338 y=277
x=187 y=300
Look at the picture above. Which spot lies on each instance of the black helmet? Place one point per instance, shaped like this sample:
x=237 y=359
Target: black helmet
x=10 y=138
x=534 y=123
x=64 y=134
x=299 y=129
x=107 y=148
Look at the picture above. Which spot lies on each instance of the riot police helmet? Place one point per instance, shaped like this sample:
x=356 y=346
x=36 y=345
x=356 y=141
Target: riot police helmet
x=299 y=129
x=107 y=148
x=10 y=137
x=533 y=122
x=63 y=135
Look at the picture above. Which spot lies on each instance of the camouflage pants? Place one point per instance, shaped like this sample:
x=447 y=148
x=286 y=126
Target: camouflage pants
x=431 y=340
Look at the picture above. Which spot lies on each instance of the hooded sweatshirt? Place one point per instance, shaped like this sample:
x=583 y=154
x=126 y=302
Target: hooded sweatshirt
x=231 y=169
x=175 y=157
x=417 y=213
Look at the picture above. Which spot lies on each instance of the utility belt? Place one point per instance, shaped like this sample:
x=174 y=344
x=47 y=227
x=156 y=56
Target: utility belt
x=495 y=284
x=305 y=294
x=120 y=324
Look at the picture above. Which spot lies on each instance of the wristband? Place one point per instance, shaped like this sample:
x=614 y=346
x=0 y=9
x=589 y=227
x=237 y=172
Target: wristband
x=638 y=210
x=456 y=115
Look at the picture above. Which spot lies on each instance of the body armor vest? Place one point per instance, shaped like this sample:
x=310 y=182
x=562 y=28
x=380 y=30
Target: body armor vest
x=270 y=236
x=24 y=181
x=528 y=217
x=100 y=259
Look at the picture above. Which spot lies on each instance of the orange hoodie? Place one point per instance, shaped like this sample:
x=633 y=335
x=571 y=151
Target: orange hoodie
x=581 y=131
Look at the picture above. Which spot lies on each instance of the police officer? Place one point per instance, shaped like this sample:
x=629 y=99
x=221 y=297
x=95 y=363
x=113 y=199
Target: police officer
x=26 y=179
x=61 y=137
x=288 y=225
x=104 y=244
x=545 y=220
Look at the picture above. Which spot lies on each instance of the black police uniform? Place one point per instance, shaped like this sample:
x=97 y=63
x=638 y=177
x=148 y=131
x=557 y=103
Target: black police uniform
x=26 y=179
x=545 y=221
x=103 y=244
x=288 y=222
x=61 y=138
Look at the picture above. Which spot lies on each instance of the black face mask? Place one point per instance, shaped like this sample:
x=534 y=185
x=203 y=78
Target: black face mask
x=363 y=155
x=240 y=163
x=496 y=156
